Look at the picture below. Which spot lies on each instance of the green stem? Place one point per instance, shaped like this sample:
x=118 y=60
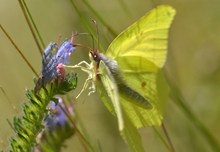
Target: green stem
x=8 y=100
x=161 y=138
x=81 y=137
x=114 y=33
x=181 y=102
x=19 y=51
x=30 y=26
x=124 y=7
x=171 y=147
x=35 y=27
x=85 y=22
x=82 y=18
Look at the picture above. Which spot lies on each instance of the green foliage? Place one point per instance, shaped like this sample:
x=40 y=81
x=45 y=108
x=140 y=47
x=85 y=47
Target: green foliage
x=29 y=125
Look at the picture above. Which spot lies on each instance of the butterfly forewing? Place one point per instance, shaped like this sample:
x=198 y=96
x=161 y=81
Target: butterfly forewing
x=146 y=39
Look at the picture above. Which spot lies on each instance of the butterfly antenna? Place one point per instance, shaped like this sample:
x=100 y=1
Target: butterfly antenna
x=73 y=39
x=97 y=31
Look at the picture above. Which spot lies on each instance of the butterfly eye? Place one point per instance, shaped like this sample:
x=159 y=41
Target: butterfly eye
x=93 y=55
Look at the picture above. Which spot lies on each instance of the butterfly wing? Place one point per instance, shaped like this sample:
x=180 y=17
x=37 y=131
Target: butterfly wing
x=111 y=99
x=141 y=116
x=144 y=43
x=141 y=52
x=112 y=91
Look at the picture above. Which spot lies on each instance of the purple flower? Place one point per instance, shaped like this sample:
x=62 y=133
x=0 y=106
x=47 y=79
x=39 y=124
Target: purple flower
x=57 y=128
x=48 y=53
x=49 y=71
x=64 y=52
x=49 y=64
x=57 y=117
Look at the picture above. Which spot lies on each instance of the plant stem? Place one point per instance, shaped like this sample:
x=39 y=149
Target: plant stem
x=171 y=147
x=35 y=27
x=19 y=51
x=81 y=137
x=113 y=33
x=30 y=26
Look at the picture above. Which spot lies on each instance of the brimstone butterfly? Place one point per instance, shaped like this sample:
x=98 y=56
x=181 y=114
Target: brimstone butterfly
x=128 y=70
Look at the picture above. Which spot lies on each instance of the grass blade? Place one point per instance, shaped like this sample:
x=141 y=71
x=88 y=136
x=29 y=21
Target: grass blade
x=35 y=27
x=113 y=33
x=19 y=51
x=30 y=26
x=182 y=104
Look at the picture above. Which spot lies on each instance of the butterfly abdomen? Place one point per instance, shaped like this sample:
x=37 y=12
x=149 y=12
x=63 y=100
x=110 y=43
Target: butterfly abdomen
x=122 y=87
x=134 y=96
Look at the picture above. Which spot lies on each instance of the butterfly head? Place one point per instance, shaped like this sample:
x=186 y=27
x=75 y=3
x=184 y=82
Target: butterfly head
x=94 y=56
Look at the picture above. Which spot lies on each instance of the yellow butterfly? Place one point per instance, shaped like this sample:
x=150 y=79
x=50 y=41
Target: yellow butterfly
x=129 y=68
x=133 y=59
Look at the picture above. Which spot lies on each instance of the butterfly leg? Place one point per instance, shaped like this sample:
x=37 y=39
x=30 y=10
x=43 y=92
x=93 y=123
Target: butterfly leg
x=88 y=68
x=92 y=88
x=86 y=84
x=83 y=62
x=79 y=65
x=90 y=79
x=84 y=87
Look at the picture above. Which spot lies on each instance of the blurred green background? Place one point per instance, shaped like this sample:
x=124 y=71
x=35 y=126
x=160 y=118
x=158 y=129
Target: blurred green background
x=193 y=65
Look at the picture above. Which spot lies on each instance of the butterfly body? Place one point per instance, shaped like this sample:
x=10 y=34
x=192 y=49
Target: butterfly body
x=123 y=88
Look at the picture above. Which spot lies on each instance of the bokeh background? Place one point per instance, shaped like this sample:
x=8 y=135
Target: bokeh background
x=193 y=67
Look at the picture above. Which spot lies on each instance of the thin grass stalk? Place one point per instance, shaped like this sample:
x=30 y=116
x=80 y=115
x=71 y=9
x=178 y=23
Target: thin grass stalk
x=30 y=26
x=82 y=18
x=171 y=147
x=179 y=100
x=82 y=126
x=161 y=138
x=112 y=32
x=91 y=31
x=124 y=7
x=19 y=51
x=8 y=100
x=34 y=25
x=83 y=140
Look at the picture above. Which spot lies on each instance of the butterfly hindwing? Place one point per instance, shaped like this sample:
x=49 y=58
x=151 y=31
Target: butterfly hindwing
x=141 y=116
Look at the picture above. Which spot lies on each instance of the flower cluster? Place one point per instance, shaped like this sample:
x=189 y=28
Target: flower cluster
x=57 y=128
x=28 y=126
x=57 y=116
x=51 y=65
